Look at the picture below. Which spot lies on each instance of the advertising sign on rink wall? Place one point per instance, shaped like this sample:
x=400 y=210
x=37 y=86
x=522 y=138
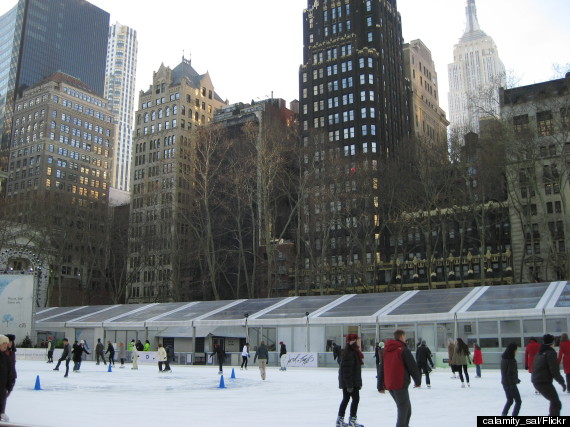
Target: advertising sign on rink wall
x=16 y=298
x=302 y=360
x=148 y=357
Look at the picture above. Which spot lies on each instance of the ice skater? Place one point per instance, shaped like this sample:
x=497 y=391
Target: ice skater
x=99 y=351
x=146 y=345
x=350 y=380
x=423 y=357
x=78 y=350
x=11 y=353
x=283 y=356
x=111 y=351
x=6 y=376
x=461 y=358
x=263 y=355
x=221 y=354
x=450 y=352
x=510 y=379
x=244 y=356
x=530 y=352
x=564 y=356
x=169 y=357
x=477 y=359
x=161 y=356
x=399 y=366
x=122 y=354
x=65 y=355
x=50 y=347
x=135 y=357
x=544 y=370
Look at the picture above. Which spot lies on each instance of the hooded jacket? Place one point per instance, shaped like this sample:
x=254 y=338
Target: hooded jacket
x=350 y=371
x=545 y=367
x=423 y=356
x=530 y=353
x=564 y=356
x=399 y=365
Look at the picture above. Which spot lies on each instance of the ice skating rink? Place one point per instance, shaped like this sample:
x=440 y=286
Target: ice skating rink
x=190 y=396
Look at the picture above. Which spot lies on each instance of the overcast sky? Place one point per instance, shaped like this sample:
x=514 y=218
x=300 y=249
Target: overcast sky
x=254 y=47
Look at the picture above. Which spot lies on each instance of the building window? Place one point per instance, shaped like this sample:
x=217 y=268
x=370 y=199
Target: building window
x=544 y=123
x=520 y=123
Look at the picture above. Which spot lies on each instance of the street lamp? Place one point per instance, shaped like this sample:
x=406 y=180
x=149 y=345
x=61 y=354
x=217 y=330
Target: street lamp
x=307 y=342
x=246 y=315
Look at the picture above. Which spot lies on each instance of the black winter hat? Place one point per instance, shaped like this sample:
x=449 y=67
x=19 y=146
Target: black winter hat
x=548 y=339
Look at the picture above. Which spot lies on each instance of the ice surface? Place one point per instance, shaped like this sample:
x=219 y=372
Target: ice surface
x=190 y=396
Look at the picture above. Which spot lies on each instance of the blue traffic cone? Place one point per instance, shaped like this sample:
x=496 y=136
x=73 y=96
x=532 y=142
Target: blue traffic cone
x=222 y=385
x=109 y=370
x=233 y=374
x=37 y=387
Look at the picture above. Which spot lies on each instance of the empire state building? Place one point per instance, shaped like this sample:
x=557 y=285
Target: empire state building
x=475 y=77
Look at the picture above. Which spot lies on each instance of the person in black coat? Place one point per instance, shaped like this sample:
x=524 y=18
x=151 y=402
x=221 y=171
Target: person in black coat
x=510 y=379
x=218 y=351
x=111 y=351
x=545 y=369
x=78 y=350
x=350 y=379
x=423 y=357
x=283 y=356
x=6 y=376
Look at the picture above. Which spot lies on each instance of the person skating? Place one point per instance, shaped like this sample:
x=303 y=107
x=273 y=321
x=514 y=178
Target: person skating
x=530 y=352
x=131 y=345
x=244 y=356
x=49 y=349
x=379 y=356
x=423 y=357
x=99 y=351
x=221 y=354
x=6 y=376
x=283 y=356
x=477 y=359
x=461 y=358
x=122 y=354
x=350 y=380
x=146 y=345
x=450 y=352
x=564 y=356
x=169 y=358
x=544 y=370
x=160 y=356
x=510 y=379
x=111 y=351
x=337 y=352
x=11 y=353
x=65 y=355
x=78 y=350
x=399 y=366
x=135 y=357
x=139 y=345
x=263 y=355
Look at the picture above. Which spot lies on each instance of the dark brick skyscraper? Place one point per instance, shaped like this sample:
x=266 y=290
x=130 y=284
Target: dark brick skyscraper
x=354 y=116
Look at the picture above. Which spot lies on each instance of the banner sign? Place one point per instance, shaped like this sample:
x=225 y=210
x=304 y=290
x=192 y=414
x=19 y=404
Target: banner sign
x=16 y=298
x=302 y=360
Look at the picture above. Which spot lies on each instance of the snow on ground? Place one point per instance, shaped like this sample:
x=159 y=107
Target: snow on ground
x=190 y=396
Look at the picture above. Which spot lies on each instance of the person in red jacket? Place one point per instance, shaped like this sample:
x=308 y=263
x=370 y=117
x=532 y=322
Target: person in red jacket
x=399 y=366
x=477 y=359
x=530 y=351
x=564 y=356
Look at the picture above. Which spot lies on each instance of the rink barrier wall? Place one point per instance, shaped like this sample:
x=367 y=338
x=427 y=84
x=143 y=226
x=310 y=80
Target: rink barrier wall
x=491 y=359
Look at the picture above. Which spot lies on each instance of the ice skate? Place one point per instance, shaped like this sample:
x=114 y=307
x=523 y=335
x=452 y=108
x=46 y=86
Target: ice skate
x=462 y=385
x=4 y=417
x=340 y=422
x=468 y=385
x=352 y=422
x=429 y=386
x=220 y=372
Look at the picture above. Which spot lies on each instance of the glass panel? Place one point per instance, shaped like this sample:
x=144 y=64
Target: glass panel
x=532 y=328
x=194 y=311
x=564 y=300
x=510 y=332
x=109 y=314
x=445 y=332
x=238 y=311
x=52 y=312
x=368 y=337
x=299 y=307
x=150 y=312
x=434 y=301
x=427 y=333
x=489 y=334
x=410 y=335
x=468 y=332
x=270 y=336
x=510 y=297
x=556 y=326
x=362 y=305
x=71 y=315
x=333 y=334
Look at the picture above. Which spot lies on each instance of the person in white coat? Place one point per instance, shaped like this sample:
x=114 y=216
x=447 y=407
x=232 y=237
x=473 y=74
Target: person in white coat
x=161 y=356
x=244 y=356
x=135 y=357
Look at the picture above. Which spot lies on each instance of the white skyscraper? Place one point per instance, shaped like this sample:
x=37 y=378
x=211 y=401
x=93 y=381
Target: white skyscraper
x=120 y=75
x=475 y=77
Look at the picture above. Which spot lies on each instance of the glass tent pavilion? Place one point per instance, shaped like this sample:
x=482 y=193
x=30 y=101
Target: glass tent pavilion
x=492 y=316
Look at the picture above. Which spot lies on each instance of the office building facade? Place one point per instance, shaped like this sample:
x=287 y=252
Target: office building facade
x=120 y=78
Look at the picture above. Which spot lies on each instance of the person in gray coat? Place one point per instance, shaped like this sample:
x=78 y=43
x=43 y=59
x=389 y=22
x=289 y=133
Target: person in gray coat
x=545 y=369
x=66 y=355
x=263 y=355
x=510 y=379
x=122 y=354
